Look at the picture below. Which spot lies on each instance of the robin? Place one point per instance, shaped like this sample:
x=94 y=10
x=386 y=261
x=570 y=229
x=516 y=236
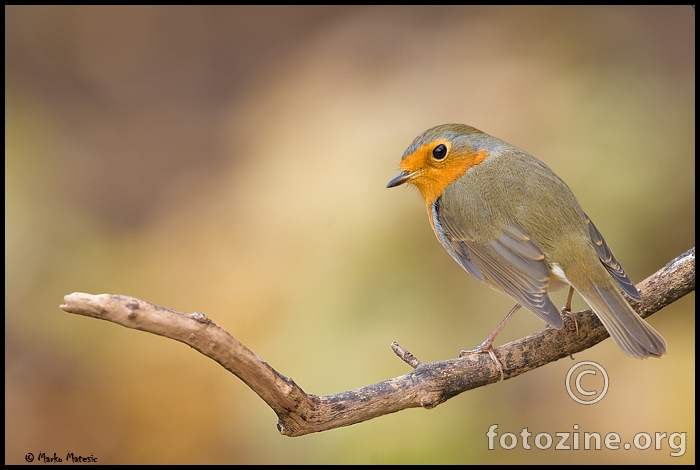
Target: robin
x=514 y=225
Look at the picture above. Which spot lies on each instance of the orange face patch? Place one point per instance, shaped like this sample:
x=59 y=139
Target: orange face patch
x=430 y=175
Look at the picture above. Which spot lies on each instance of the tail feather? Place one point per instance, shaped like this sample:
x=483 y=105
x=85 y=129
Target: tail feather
x=630 y=332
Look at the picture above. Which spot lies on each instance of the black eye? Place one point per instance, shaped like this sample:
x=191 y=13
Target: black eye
x=439 y=152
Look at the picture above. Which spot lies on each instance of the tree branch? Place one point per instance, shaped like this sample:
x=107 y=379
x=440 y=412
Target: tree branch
x=427 y=385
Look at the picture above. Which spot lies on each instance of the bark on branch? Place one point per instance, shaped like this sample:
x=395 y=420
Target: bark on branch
x=427 y=385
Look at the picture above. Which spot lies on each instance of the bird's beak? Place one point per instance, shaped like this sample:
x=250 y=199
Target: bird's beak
x=400 y=179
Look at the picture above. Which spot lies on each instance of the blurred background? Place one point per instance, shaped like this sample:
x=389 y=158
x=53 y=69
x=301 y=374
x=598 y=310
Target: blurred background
x=233 y=161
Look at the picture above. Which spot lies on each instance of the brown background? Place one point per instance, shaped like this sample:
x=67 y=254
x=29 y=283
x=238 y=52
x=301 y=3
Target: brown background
x=233 y=161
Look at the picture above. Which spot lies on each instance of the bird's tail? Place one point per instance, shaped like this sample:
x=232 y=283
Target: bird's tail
x=633 y=335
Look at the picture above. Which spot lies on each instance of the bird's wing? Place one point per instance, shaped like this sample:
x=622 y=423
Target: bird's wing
x=454 y=245
x=511 y=261
x=610 y=262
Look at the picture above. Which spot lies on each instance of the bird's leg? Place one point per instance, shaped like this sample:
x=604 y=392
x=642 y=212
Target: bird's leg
x=566 y=310
x=487 y=345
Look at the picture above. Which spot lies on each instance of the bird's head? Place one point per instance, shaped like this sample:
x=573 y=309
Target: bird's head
x=439 y=156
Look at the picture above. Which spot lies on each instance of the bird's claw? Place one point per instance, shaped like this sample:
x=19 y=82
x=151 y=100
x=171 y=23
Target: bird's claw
x=568 y=313
x=485 y=347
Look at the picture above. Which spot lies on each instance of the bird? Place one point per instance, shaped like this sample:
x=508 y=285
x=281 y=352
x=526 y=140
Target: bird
x=513 y=224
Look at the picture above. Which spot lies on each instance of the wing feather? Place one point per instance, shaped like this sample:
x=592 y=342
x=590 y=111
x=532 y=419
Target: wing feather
x=610 y=262
x=511 y=262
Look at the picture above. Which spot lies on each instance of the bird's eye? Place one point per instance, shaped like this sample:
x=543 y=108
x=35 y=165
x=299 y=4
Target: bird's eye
x=439 y=152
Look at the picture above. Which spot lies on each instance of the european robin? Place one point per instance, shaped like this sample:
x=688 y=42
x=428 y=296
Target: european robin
x=513 y=224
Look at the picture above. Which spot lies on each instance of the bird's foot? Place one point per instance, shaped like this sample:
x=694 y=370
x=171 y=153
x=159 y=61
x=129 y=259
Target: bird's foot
x=485 y=347
x=568 y=313
x=566 y=309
